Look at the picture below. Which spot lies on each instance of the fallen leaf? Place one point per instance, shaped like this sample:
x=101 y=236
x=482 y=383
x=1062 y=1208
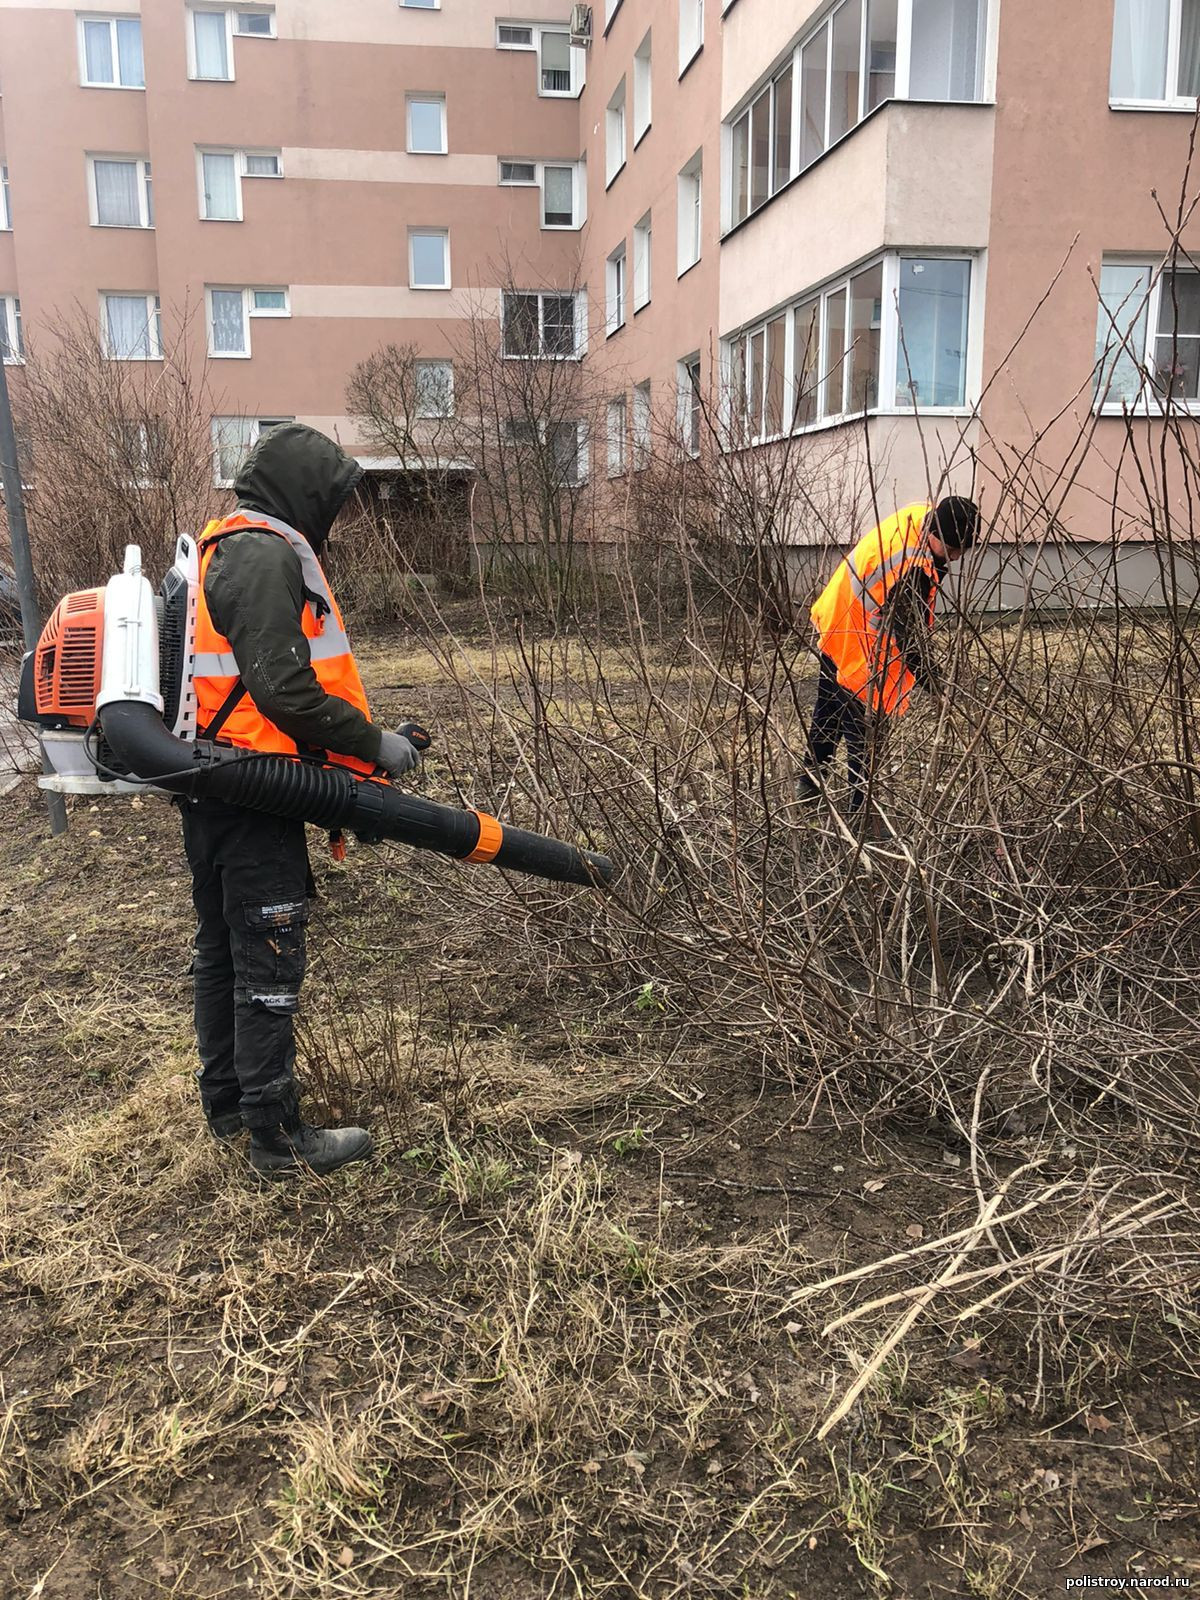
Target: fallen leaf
x=1051 y=1480
x=914 y=1231
x=951 y=1158
x=591 y=1468
x=1092 y=1543
x=345 y=1556
x=1025 y=1520
x=278 y=1387
x=791 y=1328
x=812 y=1541
x=875 y=1185
x=1096 y=1422
x=714 y=1467
x=636 y=1460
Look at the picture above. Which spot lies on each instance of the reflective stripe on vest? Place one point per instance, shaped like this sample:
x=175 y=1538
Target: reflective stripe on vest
x=216 y=669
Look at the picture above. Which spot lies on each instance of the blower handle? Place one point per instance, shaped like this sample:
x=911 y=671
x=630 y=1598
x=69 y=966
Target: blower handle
x=420 y=738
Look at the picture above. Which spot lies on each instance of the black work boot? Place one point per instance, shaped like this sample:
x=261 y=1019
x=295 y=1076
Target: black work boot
x=808 y=790
x=281 y=1144
x=226 y=1126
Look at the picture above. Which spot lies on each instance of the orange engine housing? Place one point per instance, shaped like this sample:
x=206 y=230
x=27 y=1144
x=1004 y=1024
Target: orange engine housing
x=68 y=659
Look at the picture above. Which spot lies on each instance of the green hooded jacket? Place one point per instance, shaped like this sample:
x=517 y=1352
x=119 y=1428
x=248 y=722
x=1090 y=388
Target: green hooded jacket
x=255 y=589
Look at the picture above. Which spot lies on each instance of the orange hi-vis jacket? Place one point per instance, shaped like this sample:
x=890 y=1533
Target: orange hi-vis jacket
x=849 y=613
x=217 y=678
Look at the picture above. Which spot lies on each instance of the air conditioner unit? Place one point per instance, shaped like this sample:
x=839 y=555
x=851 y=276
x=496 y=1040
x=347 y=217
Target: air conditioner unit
x=581 y=25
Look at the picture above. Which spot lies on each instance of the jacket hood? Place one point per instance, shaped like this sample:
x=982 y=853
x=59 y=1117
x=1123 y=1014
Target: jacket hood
x=299 y=476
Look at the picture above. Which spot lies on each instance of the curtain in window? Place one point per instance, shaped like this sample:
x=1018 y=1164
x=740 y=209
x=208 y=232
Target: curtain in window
x=1139 y=58
x=233 y=437
x=1189 y=49
x=97 y=52
x=931 y=359
x=556 y=63
x=129 y=53
x=128 y=328
x=1177 y=348
x=117 y=193
x=947 y=39
x=220 y=187
x=228 y=325
x=1121 y=332
x=558 y=195
x=212 y=44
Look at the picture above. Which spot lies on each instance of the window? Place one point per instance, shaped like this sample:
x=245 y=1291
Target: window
x=615 y=282
x=554 y=58
x=518 y=173
x=642 y=86
x=610 y=10
x=514 y=36
x=421 y=5
x=1156 y=53
x=1148 y=337
x=121 y=193
x=110 y=53
x=428 y=258
x=132 y=327
x=140 y=451
x=616 y=436
x=691 y=31
x=12 y=342
x=542 y=324
x=564 y=444
x=210 y=45
x=220 y=174
x=614 y=133
x=642 y=420
x=233 y=439
x=690 y=402
x=228 y=322
x=256 y=24
x=269 y=303
x=434 y=389
x=642 y=244
x=688 y=238
x=558 y=196
x=890 y=337
x=862 y=54
x=427 y=124
x=5 y=201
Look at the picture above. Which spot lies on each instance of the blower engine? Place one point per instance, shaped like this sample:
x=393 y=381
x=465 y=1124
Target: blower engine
x=109 y=687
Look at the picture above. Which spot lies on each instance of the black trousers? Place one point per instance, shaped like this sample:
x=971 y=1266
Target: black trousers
x=250 y=885
x=840 y=715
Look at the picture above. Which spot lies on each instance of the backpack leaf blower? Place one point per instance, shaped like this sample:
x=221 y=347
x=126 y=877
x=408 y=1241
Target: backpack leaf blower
x=109 y=687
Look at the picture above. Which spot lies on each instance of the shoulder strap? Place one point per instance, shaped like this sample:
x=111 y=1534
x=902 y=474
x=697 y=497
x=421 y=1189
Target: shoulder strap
x=224 y=711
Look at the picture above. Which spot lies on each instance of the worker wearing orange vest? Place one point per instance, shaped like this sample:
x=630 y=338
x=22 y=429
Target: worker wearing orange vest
x=274 y=672
x=874 y=618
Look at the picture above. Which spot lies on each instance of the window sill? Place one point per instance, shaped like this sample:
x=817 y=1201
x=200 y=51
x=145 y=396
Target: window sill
x=577 y=357
x=411 y=152
x=229 y=355
x=128 y=227
x=561 y=227
x=638 y=137
x=221 y=219
x=134 y=360
x=609 y=183
x=194 y=77
x=129 y=88
x=641 y=306
x=612 y=18
x=1171 y=107
x=1143 y=411
x=431 y=288
x=682 y=272
x=687 y=65
x=611 y=333
x=559 y=94
x=14 y=361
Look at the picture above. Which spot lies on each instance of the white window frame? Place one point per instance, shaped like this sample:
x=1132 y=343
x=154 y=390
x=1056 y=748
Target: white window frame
x=616 y=291
x=580 y=308
x=268 y=311
x=689 y=213
x=428 y=98
x=616 y=134
x=241 y=160
x=578 y=196
x=5 y=200
x=691 y=36
x=790 y=70
x=1149 y=402
x=430 y=288
x=261 y=177
x=643 y=87
x=533 y=182
x=642 y=431
x=544 y=427
x=256 y=11
x=144 y=181
x=643 y=260
x=210 y=327
x=889 y=347
x=192 y=63
x=575 y=65
x=421 y=5
x=112 y=18
x=14 y=335
x=616 y=418
x=434 y=416
x=1170 y=101
x=501 y=44
x=153 y=307
x=689 y=402
x=255 y=431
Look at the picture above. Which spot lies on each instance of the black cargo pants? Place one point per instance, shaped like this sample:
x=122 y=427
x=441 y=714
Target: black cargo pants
x=250 y=884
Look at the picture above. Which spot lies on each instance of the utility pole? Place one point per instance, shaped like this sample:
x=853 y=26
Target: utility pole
x=18 y=532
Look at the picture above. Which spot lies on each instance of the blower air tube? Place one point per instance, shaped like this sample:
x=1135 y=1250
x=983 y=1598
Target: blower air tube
x=333 y=799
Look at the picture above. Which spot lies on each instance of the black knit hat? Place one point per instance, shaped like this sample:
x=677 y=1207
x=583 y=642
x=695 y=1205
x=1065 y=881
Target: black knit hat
x=958 y=522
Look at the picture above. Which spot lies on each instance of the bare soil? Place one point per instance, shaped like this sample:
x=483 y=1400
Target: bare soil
x=547 y=1343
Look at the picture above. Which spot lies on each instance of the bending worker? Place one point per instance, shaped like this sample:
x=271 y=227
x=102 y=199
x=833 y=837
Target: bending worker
x=274 y=673
x=874 y=619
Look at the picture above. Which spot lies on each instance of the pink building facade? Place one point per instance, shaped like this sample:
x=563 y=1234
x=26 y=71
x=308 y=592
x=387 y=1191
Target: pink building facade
x=917 y=223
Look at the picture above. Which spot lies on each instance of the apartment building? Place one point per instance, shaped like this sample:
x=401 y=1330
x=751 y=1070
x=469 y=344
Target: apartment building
x=921 y=223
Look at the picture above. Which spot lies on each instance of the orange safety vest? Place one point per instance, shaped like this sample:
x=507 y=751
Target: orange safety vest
x=849 y=613
x=216 y=669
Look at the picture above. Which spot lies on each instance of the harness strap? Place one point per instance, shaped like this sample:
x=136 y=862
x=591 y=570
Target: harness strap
x=225 y=710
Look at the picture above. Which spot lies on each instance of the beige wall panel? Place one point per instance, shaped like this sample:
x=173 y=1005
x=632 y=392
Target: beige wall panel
x=389 y=166
x=462 y=22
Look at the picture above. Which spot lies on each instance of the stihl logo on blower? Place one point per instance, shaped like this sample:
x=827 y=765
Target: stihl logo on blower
x=110 y=688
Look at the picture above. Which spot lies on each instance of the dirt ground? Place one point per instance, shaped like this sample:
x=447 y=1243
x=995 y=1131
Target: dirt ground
x=549 y=1343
